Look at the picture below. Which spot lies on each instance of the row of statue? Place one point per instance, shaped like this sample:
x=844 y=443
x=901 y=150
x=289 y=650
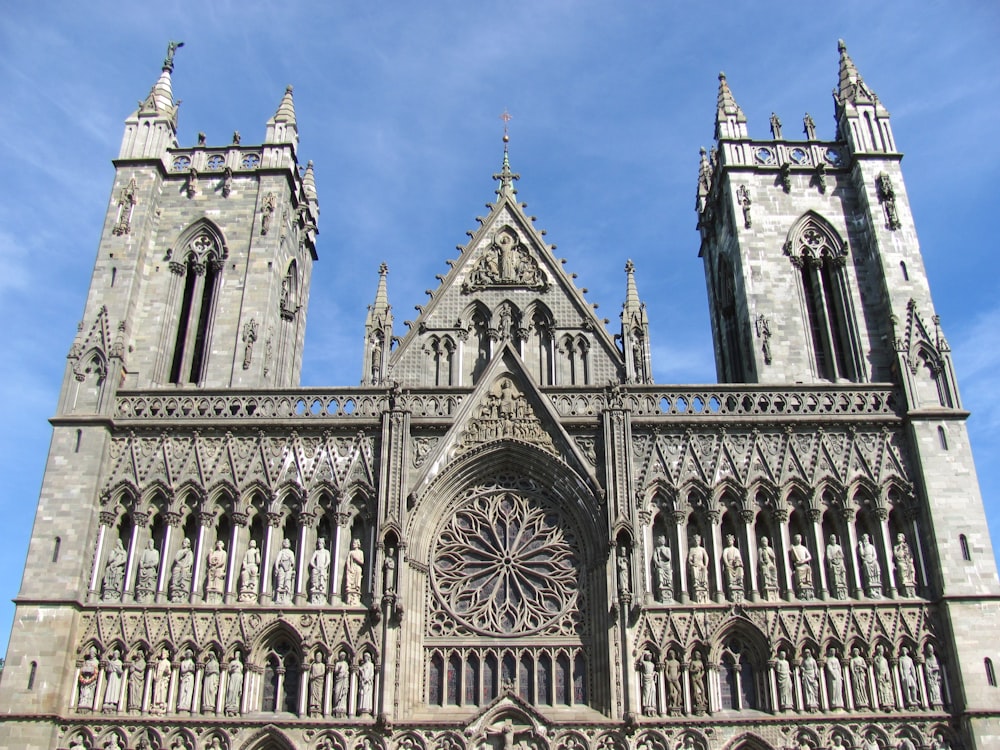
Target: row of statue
x=283 y=570
x=125 y=683
x=868 y=685
x=800 y=562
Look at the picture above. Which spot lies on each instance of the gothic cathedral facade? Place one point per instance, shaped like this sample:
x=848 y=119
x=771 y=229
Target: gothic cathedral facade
x=508 y=536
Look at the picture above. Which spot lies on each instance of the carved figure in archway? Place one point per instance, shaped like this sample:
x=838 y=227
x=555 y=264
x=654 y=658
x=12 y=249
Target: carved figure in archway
x=732 y=567
x=185 y=693
x=624 y=590
x=672 y=674
x=317 y=681
x=180 y=573
x=149 y=566
x=698 y=565
x=906 y=571
x=802 y=574
x=932 y=669
x=113 y=675
x=137 y=681
x=783 y=676
x=699 y=691
x=250 y=574
x=810 y=680
x=216 y=576
x=354 y=574
x=859 y=679
x=908 y=679
x=319 y=573
x=234 y=686
x=341 y=677
x=389 y=571
x=834 y=679
x=114 y=573
x=768 y=569
x=663 y=573
x=835 y=562
x=88 y=681
x=284 y=574
x=366 y=684
x=648 y=675
x=883 y=679
x=871 y=572
x=161 y=684
x=210 y=685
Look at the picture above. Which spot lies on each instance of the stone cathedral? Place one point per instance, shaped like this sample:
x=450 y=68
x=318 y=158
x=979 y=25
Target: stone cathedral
x=508 y=537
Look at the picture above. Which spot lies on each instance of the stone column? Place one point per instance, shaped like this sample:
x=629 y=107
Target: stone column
x=686 y=688
x=267 y=557
x=748 y=543
x=139 y=521
x=199 y=675
x=107 y=518
x=680 y=564
x=307 y=537
x=824 y=698
x=205 y=521
x=922 y=579
x=169 y=532
x=303 y=700
x=715 y=554
x=240 y=521
x=815 y=516
x=848 y=514
x=772 y=683
x=714 y=693
x=782 y=544
x=890 y=570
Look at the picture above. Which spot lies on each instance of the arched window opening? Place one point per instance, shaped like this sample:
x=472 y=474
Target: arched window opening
x=281 y=679
x=732 y=356
x=579 y=680
x=541 y=330
x=472 y=681
x=201 y=269
x=79 y=438
x=454 y=677
x=436 y=681
x=820 y=257
x=942 y=438
x=991 y=675
x=490 y=678
x=31 y=675
x=55 y=549
x=902 y=267
x=963 y=540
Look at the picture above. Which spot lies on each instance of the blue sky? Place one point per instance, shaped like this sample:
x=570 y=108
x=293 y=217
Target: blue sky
x=398 y=105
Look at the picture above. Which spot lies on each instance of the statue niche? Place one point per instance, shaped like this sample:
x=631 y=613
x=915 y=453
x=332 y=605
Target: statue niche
x=506 y=262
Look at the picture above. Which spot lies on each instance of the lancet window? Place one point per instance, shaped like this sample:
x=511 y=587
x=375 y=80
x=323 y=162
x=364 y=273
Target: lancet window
x=198 y=271
x=732 y=358
x=821 y=258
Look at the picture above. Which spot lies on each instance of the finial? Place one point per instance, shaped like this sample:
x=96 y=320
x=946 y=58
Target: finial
x=383 y=269
x=288 y=89
x=172 y=47
x=722 y=75
x=506 y=117
x=629 y=266
x=505 y=176
x=841 y=46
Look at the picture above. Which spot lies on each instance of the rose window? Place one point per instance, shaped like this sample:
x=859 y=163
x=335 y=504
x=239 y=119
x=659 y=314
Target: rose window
x=504 y=564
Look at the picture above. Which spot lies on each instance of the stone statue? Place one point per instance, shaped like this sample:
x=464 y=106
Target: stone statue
x=698 y=565
x=883 y=679
x=624 y=590
x=871 y=573
x=215 y=581
x=210 y=684
x=113 y=671
x=802 y=574
x=353 y=574
x=696 y=673
x=859 y=679
x=185 y=693
x=149 y=566
x=810 y=680
x=284 y=574
x=234 y=685
x=932 y=669
x=834 y=679
x=906 y=571
x=88 y=681
x=672 y=675
x=366 y=684
x=768 y=569
x=908 y=679
x=319 y=573
x=137 y=681
x=783 y=676
x=317 y=681
x=341 y=680
x=250 y=573
x=180 y=574
x=161 y=684
x=647 y=671
x=838 y=568
x=389 y=571
x=732 y=567
x=114 y=573
x=663 y=573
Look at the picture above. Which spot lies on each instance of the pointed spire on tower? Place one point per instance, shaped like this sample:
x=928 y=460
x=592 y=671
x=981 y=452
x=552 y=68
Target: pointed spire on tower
x=378 y=334
x=635 y=332
x=282 y=128
x=851 y=88
x=730 y=122
x=505 y=176
x=152 y=128
x=309 y=183
x=161 y=96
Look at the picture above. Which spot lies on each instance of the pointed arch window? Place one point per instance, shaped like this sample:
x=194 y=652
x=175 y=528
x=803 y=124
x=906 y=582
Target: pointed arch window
x=201 y=269
x=820 y=257
x=725 y=300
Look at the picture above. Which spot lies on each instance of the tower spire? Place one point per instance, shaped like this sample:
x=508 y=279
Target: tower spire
x=635 y=332
x=282 y=127
x=862 y=120
x=851 y=87
x=161 y=96
x=730 y=122
x=505 y=175
x=378 y=334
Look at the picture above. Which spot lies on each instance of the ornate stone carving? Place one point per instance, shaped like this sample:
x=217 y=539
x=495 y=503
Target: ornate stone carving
x=505 y=413
x=87 y=681
x=507 y=262
x=663 y=572
x=837 y=568
x=743 y=196
x=114 y=573
x=250 y=573
x=210 y=684
x=871 y=571
x=180 y=573
x=802 y=574
x=647 y=674
x=697 y=561
x=319 y=573
x=317 y=681
x=505 y=564
x=887 y=197
x=906 y=571
x=767 y=565
x=216 y=575
x=354 y=572
x=126 y=204
x=284 y=574
x=234 y=685
x=763 y=328
x=783 y=678
x=267 y=212
x=732 y=568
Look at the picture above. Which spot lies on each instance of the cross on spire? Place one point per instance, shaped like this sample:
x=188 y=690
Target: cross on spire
x=505 y=176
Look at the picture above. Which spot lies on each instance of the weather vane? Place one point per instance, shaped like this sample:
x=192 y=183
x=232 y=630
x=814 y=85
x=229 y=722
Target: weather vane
x=506 y=117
